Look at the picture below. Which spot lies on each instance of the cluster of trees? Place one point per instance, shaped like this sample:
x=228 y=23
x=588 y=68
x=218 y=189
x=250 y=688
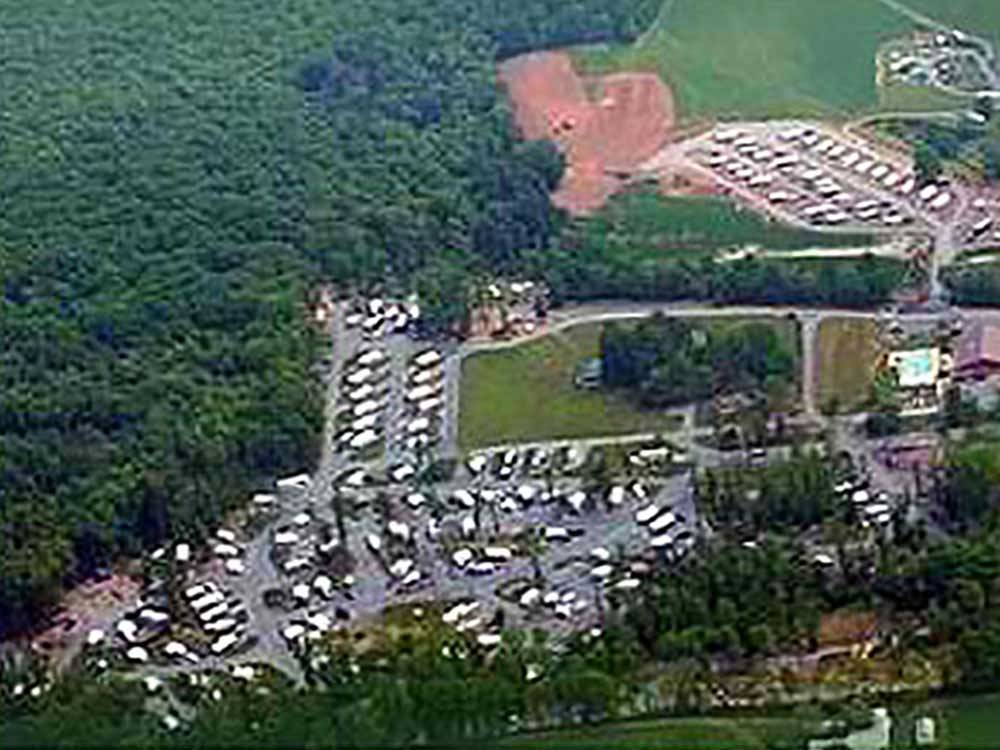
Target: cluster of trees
x=967 y=488
x=668 y=361
x=171 y=196
x=789 y=496
x=937 y=143
x=730 y=600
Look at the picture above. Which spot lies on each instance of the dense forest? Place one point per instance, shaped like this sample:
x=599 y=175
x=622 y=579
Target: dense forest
x=176 y=177
x=668 y=361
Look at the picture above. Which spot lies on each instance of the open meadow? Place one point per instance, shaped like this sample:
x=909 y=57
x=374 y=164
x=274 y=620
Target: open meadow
x=847 y=355
x=526 y=393
x=963 y=723
x=761 y=58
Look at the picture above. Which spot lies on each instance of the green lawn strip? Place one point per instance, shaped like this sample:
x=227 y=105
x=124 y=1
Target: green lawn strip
x=643 y=225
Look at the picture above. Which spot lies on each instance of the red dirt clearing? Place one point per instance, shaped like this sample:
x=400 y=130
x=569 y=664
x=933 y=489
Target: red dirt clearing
x=628 y=120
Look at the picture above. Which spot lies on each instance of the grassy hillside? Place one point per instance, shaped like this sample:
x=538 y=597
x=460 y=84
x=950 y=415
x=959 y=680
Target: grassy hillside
x=762 y=58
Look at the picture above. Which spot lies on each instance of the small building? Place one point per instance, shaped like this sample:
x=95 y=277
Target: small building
x=978 y=353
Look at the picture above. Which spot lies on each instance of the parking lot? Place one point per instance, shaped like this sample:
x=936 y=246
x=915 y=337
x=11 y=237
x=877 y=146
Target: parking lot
x=538 y=532
x=816 y=176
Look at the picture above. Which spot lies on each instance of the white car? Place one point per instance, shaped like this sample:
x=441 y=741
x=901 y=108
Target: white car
x=401 y=567
x=235 y=567
x=462 y=557
x=415 y=500
x=418 y=426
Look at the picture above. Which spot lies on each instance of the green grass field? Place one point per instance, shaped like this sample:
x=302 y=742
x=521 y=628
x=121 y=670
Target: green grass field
x=971 y=723
x=762 y=58
x=980 y=17
x=847 y=355
x=643 y=225
x=527 y=393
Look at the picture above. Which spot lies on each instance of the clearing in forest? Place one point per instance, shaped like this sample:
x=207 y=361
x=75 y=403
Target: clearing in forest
x=606 y=127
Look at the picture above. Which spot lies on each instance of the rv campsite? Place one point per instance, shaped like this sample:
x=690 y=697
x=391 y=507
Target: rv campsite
x=399 y=374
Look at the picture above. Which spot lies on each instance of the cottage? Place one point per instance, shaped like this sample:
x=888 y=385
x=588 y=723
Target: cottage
x=226 y=550
x=925 y=731
x=283 y=538
x=462 y=557
x=221 y=626
x=589 y=374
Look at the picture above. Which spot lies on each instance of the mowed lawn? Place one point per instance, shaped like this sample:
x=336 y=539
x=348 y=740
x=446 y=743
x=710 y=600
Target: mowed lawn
x=847 y=352
x=668 y=734
x=644 y=225
x=527 y=393
x=761 y=58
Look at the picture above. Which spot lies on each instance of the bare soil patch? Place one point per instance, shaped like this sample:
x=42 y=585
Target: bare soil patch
x=606 y=126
